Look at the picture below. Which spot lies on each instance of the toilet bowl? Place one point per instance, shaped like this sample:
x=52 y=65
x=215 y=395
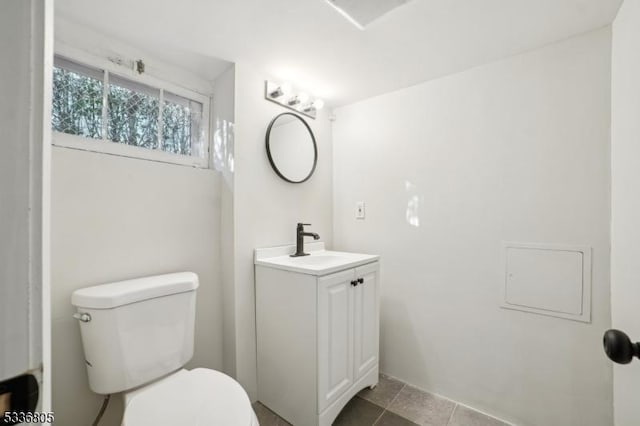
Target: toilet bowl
x=137 y=335
x=199 y=397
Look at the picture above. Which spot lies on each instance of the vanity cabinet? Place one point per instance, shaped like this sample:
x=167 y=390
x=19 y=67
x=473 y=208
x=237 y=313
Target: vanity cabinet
x=317 y=339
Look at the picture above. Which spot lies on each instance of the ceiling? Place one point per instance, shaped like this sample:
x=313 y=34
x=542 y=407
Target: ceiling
x=363 y=12
x=310 y=44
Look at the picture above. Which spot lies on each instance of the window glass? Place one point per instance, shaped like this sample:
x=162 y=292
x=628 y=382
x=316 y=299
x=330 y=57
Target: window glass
x=132 y=113
x=77 y=100
x=182 y=126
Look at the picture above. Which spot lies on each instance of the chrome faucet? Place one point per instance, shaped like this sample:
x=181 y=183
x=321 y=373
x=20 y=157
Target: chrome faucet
x=300 y=234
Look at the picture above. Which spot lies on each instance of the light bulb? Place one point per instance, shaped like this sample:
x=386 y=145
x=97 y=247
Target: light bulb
x=282 y=91
x=318 y=104
x=303 y=97
x=286 y=88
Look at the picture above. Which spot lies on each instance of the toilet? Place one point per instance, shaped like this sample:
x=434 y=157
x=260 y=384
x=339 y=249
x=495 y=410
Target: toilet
x=137 y=336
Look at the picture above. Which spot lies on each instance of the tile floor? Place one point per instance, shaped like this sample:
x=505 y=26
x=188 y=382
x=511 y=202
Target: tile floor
x=393 y=403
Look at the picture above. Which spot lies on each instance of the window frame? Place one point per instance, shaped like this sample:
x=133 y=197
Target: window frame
x=107 y=146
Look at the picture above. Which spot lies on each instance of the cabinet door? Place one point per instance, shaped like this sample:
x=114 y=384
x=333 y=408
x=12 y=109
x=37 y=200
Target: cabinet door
x=366 y=319
x=335 y=336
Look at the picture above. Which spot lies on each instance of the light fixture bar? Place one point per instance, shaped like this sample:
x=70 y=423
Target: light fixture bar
x=300 y=102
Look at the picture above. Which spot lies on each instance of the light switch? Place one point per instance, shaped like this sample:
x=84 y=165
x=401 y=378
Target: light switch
x=360 y=210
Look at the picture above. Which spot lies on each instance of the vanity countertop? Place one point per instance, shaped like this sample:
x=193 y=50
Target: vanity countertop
x=319 y=262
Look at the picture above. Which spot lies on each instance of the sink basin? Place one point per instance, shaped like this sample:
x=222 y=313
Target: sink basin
x=319 y=261
x=317 y=258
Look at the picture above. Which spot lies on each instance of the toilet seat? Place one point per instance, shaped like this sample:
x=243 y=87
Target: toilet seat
x=199 y=397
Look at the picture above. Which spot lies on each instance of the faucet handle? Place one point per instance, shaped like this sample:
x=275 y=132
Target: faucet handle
x=303 y=224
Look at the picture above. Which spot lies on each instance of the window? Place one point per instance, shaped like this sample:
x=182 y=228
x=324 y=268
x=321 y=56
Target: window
x=136 y=117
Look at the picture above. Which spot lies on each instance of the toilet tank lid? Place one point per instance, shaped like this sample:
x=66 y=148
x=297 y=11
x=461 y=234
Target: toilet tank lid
x=107 y=296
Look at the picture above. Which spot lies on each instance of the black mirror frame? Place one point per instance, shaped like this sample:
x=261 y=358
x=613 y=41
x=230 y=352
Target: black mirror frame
x=313 y=139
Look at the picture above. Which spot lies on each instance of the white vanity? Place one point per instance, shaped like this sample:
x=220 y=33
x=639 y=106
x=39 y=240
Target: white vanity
x=317 y=322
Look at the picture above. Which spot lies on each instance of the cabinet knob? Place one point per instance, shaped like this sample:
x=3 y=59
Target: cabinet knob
x=361 y=280
x=354 y=283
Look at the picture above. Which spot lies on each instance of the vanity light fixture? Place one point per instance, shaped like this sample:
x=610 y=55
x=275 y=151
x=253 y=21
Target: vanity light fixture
x=300 y=102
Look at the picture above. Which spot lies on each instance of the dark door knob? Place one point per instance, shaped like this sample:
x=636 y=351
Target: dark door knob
x=619 y=347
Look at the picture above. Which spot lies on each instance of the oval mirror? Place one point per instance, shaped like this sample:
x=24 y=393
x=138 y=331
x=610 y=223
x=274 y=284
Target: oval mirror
x=291 y=148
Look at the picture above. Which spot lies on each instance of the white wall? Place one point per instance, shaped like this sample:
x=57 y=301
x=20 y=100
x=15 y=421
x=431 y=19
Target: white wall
x=516 y=150
x=266 y=207
x=223 y=150
x=115 y=218
x=187 y=69
x=625 y=203
x=25 y=32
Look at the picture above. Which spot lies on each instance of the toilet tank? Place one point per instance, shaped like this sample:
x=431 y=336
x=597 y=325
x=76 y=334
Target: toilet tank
x=137 y=330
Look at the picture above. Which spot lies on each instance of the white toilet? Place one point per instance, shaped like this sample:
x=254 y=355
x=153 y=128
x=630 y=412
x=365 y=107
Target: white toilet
x=137 y=335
